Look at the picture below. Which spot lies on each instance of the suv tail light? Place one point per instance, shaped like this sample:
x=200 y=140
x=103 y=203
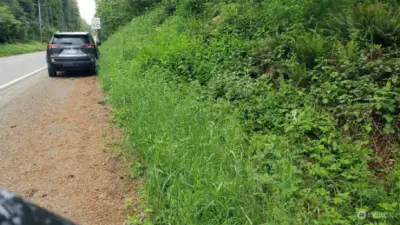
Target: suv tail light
x=50 y=46
x=89 y=46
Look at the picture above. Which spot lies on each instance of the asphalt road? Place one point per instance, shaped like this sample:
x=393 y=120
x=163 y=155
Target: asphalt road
x=14 y=67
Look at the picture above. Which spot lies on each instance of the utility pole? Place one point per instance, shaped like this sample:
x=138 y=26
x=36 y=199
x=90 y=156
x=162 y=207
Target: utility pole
x=62 y=16
x=40 y=22
x=51 y=15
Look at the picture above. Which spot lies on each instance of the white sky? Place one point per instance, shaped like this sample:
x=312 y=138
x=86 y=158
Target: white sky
x=87 y=9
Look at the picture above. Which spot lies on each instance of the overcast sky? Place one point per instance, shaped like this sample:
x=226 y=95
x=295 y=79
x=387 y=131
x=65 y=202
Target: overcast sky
x=87 y=9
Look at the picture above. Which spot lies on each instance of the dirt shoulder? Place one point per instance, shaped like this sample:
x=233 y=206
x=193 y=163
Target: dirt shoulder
x=53 y=151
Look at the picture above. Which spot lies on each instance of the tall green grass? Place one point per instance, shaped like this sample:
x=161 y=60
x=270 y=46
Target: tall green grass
x=377 y=22
x=20 y=48
x=195 y=167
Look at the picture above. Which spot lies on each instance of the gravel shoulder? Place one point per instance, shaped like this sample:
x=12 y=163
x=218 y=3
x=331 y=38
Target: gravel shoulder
x=53 y=150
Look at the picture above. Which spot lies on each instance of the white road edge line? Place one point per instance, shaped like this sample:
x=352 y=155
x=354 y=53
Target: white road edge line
x=9 y=84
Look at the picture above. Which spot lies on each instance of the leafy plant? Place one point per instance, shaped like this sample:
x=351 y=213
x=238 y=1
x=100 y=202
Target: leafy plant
x=247 y=112
x=378 y=22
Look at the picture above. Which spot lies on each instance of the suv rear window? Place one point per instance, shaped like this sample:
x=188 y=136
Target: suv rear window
x=71 y=39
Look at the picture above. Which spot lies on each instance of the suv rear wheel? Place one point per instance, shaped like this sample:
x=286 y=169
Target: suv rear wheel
x=93 y=71
x=52 y=72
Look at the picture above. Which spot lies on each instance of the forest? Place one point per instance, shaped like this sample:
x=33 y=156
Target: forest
x=258 y=111
x=19 y=19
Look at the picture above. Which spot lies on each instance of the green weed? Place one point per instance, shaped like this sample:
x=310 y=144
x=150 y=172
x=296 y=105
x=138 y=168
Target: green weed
x=14 y=49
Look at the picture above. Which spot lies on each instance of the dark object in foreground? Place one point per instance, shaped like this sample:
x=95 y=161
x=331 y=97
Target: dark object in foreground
x=16 y=211
x=70 y=51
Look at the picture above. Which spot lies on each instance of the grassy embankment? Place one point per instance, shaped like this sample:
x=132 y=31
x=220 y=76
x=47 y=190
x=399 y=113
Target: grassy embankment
x=246 y=113
x=20 y=48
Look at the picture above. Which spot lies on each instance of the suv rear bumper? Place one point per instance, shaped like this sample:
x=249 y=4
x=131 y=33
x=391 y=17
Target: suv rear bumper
x=68 y=64
x=77 y=65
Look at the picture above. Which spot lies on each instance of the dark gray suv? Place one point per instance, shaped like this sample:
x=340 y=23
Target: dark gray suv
x=71 y=51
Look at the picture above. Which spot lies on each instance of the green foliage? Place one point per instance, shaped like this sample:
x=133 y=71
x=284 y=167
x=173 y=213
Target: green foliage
x=84 y=26
x=14 y=49
x=117 y=13
x=176 y=132
x=378 y=22
x=8 y=24
x=247 y=112
x=19 y=20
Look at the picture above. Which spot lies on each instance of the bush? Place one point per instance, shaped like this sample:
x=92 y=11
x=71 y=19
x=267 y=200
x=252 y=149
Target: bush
x=378 y=22
x=8 y=25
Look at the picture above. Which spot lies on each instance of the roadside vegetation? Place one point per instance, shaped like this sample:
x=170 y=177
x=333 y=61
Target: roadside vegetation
x=259 y=112
x=19 y=23
x=15 y=49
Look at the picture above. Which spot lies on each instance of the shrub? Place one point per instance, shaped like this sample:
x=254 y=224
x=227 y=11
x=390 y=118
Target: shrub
x=378 y=22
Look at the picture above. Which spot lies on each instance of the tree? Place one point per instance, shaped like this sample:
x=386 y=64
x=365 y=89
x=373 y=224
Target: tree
x=117 y=13
x=8 y=24
x=19 y=19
